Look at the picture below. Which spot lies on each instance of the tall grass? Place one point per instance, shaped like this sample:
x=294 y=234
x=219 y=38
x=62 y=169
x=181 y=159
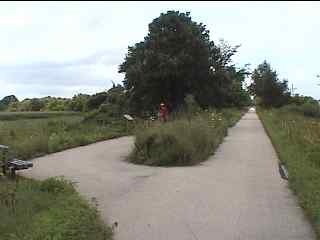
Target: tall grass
x=52 y=209
x=34 y=115
x=297 y=141
x=35 y=137
x=183 y=141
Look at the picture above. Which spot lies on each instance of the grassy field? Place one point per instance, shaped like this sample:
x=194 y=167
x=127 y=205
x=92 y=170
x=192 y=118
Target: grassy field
x=47 y=210
x=183 y=141
x=30 y=135
x=34 y=115
x=297 y=141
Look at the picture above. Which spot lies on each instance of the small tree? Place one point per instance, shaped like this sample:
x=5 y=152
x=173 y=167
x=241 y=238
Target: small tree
x=6 y=101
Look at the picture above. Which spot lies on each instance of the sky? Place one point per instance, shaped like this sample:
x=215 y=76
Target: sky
x=65 y=48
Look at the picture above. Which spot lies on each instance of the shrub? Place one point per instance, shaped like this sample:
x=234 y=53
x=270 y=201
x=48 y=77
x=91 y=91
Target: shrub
x=56 y=185
x=59 y=141
x=191 y=104
x=311 y=109
x=290 y=108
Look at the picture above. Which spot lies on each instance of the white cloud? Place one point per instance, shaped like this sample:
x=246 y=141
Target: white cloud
x=16 y=20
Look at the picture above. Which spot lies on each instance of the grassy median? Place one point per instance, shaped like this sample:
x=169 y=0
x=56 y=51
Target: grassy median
x=183 y=141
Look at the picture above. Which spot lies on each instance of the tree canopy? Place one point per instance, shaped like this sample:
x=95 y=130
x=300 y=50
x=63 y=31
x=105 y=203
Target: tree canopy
x=6 y=101
x=175 y=59
x=266 y=85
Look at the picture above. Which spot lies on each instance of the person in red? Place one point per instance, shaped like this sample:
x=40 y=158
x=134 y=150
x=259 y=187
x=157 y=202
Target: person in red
x=163 y=112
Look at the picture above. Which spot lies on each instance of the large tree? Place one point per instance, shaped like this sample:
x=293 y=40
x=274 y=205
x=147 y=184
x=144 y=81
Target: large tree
x=175 y=59
x=170 y=62
x=267 y=87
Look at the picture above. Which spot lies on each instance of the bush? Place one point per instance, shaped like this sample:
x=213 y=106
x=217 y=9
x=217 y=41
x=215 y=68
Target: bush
x=58 y=142
x=191 y=104
x=290 y=108
x=311 y=109
x=56 y=185
x=181 y=142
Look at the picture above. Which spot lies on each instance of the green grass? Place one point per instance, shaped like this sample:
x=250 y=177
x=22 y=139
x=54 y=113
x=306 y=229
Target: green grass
x=29 y=138
x=297 y=141
x=12 y=116
x=183 y=141
x=47 y=210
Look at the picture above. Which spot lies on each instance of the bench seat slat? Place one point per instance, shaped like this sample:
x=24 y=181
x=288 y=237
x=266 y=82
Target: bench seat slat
x=19 y=164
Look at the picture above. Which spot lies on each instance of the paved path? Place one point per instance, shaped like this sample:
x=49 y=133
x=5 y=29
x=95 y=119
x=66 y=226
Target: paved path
x=236 y=194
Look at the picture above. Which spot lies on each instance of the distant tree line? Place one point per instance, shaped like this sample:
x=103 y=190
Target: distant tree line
x=270 y=91
x=113 y=99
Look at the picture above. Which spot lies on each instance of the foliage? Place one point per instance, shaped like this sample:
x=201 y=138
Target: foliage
x=6 y=101
x=300 y=99
x=96 y=100
x=268 y=88
x=12 y=116
x=181 y=141
x=226 y=81
x=79 y=102
x=40 y=136
x=174 y=60
x=191 y=105
x=310 y=109
x=115 y=96
x=305 y=105
x=296 y=139
x=40 y=104
x=51 y=209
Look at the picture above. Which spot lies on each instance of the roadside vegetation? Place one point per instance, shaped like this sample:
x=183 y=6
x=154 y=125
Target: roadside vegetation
x=12 y=116
x=51 y=209
x=293 y=124
x=297 y=141
x=30 y=138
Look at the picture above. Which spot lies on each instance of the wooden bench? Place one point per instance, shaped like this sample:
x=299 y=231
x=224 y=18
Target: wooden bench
x=11 y=165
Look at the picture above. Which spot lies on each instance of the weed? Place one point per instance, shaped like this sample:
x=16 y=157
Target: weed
x=183 y=141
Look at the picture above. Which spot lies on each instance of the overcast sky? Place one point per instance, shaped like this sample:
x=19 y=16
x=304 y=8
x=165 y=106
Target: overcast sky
x=65 y=48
